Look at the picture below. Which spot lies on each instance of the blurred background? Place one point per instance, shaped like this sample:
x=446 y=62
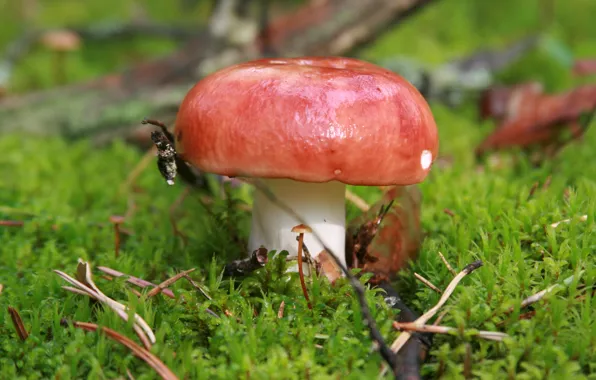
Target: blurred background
x=143 y=55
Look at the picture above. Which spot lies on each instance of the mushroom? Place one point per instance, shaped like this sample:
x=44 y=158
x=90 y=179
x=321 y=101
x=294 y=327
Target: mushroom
x=60 y=42
x=307 y=127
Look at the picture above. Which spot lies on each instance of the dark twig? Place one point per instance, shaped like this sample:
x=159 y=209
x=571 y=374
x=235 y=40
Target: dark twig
x=375 y=334
x=245 y=266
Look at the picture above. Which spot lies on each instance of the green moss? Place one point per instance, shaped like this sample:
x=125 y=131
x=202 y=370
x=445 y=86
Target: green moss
x=65 y=193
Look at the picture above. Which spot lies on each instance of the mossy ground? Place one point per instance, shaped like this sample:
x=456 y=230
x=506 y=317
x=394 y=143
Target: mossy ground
x=66 y=191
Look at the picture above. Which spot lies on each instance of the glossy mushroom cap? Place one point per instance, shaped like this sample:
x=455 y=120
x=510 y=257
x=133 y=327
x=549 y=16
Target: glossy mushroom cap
x=309 y=119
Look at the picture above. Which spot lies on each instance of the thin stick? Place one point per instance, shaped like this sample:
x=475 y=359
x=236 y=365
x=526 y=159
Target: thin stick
x=1 y=288
x=357 y=201
x=410 y=326
x=137 y=350
x=403 y=338
x=158 y=289
x=449 y=267
x=135 y=280
x=427 y=283
x=541 y=294
x=198 y=287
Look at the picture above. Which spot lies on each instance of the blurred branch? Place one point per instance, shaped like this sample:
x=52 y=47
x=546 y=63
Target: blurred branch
x=108 y=107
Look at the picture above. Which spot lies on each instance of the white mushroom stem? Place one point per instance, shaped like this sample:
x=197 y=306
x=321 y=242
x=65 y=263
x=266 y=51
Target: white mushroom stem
x=322 y=205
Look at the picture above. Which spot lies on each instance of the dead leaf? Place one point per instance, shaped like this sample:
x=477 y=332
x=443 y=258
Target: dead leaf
x=383 y=240
x=527 y=117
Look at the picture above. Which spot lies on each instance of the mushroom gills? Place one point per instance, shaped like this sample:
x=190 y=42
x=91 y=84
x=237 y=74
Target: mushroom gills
x=321 y=205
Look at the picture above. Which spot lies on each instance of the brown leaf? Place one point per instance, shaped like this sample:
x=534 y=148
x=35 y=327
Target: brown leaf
x=18 y=323
x=529 y=117
x=137 y=350
x=383 y=240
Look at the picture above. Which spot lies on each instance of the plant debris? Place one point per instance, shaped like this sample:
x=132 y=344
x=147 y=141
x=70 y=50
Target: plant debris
x=527 y=117
x=18 y=323
x=158 y=289
x=245 y=266
x=135 y=280
x=383 y=240
x=84 y=285
x=142 y=353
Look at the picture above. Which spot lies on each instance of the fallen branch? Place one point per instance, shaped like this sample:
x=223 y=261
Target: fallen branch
x=18 y=323
x=489 y=335
x=144 y=354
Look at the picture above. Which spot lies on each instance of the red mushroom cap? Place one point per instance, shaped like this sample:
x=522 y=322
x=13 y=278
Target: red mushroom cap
x=310 y=119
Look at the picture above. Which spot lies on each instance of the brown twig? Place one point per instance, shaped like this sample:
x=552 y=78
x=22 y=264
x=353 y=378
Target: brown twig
x=135 y=280
x=449 y=267
x=18 y=323
x=301 y=229
x=427 y=283
x=159 y=288
x=1 y=288
x=137 y=350
x=435 y=329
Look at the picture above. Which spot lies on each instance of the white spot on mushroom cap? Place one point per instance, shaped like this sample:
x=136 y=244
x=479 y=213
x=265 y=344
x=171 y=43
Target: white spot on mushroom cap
x=337 y=172
x=426 y=158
